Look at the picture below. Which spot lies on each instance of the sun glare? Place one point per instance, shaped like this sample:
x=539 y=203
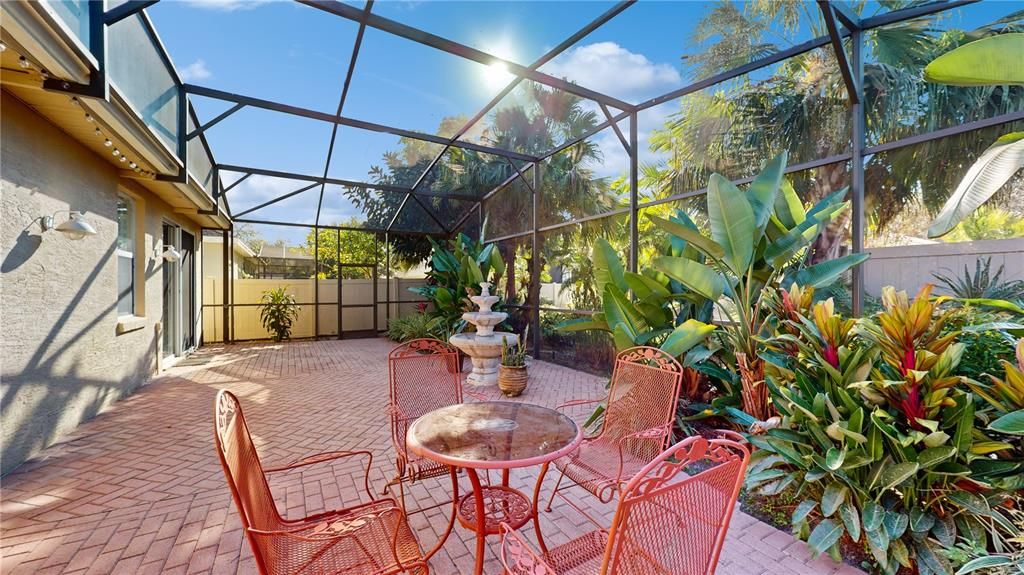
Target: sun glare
x=497 y=75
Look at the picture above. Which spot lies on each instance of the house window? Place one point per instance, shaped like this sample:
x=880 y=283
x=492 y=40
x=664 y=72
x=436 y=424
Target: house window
x=125 y=256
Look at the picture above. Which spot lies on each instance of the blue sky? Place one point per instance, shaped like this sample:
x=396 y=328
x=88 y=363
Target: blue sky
x=298 y=55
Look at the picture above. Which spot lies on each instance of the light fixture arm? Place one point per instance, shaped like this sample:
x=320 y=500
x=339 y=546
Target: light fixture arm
x=46 y=222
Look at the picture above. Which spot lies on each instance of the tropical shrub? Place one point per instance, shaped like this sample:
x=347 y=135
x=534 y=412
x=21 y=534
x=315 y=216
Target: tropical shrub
x=455 y=273
x=879 y=437
x=278 y=311
x=760 y=239
x=983 y=284
x=414 y=326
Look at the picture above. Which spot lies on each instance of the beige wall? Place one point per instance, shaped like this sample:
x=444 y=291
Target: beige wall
x=910 y=267
x=63 y=360
x=247 y=323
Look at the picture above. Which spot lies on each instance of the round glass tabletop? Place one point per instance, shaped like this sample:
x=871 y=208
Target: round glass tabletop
x=493 y=434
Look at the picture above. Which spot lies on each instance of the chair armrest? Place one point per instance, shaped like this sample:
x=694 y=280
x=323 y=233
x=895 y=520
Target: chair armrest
x=653 y=433
x=325 y=457
x=517 y=556
x=576 y=402
x=329 y=530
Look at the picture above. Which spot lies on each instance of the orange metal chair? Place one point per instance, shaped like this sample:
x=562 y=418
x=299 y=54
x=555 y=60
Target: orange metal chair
x=424 y=375
x=666 y=523
x=370 y=538
x=637 y=424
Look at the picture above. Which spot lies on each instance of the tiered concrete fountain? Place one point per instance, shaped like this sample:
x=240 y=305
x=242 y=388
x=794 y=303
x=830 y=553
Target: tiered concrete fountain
x=484 y=346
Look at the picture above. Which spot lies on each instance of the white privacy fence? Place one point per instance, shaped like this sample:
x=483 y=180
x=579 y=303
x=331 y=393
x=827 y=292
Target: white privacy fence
x=358 y=306
x=910 y=267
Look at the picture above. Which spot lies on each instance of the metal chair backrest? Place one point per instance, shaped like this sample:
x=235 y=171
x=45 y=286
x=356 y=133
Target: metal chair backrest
x=644 y=393
x=669 y=522
x=425 y=374
x=242 y=466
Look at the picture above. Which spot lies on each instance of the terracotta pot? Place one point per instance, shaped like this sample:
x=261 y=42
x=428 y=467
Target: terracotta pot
x=512 y=380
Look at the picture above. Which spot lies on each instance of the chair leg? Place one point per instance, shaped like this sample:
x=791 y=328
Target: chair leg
x=554 y=492
x=451 y=520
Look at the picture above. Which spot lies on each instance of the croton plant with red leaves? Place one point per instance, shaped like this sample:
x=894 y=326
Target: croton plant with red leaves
x=879 y=436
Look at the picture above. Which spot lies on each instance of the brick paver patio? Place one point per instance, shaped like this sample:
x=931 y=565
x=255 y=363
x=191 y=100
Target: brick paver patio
x=139 y=489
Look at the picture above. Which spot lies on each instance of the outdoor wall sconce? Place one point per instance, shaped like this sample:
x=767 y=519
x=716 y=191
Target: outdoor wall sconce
x=170 y=254
x=75 y=228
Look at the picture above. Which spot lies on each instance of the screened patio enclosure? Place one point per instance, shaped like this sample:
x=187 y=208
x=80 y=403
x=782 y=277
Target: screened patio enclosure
x=447 y=118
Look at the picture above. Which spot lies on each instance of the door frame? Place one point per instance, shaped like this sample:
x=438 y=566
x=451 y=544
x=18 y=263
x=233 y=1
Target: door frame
x=372 y=267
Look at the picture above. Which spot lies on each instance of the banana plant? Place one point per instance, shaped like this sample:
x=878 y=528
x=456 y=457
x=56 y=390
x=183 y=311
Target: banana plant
x=992 y=61
x=760 y=239
x=456 y=270
x=644 y=308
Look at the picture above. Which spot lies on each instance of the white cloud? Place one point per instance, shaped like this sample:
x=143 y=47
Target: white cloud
x=195 y=71
x=614 y=70
x=226 y=5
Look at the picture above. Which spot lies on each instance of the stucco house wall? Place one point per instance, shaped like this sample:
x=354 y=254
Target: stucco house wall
x=62 y=359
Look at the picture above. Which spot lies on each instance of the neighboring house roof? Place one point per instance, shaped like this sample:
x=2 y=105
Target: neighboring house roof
x=284 y=252
x=240 y=247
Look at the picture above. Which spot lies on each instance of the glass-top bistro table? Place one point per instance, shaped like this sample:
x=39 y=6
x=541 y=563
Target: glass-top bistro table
x=494 y=435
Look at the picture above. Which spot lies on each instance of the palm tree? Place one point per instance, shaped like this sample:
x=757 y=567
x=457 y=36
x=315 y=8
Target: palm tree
x=801 y=107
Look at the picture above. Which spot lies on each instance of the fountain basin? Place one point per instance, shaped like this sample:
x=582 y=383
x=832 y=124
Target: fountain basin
x=485 y=352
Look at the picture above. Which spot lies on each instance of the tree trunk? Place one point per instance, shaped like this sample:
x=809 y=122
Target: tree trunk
x=754 y=391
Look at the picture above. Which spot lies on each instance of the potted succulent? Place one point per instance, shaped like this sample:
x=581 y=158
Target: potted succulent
x=512 y=376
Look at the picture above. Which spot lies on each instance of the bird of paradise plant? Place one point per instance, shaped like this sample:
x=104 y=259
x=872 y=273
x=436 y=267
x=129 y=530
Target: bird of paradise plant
x=760 y=239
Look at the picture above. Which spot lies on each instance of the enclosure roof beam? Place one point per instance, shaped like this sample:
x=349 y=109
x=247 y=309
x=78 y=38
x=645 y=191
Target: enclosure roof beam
x=445 y=45
x=618 y=132
x=341 y=102
x=848 y=17
x=223 y=115
x=341 y=228
x=337 y=119
x=126 y=10
x=248 y=171
x=279 y=198
x=911 y=13
x=852 y=85
x=735 y=72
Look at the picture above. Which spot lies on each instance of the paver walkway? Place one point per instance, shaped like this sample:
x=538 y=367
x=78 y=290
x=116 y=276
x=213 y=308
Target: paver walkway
x=139 y=488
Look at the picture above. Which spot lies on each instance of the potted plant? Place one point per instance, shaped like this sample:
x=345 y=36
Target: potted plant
x=512 y=376
x=278 y=311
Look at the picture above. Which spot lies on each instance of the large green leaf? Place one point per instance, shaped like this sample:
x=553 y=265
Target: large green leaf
x=991 y=61
x=619 y=310
x=828 y=271
x=825 y=535
x=985 y=562
x=896 y=474
x=788 y=208
x=607 y=266
x=644 y=287
x=1012 y=423
x=693 y=237
x=851 y=519
x=685 y=336
x=583 y=324
x=833 y=497
x=732 y=222
x=624 y=337
x=990 y=172
x=765 y=189
x=695 y=276
x=935 y=455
